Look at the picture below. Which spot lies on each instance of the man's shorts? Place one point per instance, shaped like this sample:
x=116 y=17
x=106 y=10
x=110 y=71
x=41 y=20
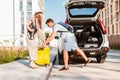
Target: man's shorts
x=70 y=43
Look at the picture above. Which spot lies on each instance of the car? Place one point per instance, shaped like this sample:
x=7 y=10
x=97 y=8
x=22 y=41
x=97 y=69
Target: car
x=89 y=30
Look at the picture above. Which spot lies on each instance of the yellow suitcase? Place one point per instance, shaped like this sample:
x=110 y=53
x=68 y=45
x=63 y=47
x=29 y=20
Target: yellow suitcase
x=43 y=56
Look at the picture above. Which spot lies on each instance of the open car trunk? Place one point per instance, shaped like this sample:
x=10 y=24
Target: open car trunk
x=88 y=35
x=83 y=9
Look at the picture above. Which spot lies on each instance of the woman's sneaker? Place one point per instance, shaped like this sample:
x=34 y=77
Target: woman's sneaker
x=64 y=69
x=87 y=62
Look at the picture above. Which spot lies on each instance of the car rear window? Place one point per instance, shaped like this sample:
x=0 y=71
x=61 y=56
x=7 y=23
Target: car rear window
x=82 y=12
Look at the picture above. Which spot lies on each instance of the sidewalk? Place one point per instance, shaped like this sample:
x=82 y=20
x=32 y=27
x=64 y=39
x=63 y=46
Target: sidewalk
x=19 y=70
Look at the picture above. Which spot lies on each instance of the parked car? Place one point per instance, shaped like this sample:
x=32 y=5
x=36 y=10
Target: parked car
x=89 y=30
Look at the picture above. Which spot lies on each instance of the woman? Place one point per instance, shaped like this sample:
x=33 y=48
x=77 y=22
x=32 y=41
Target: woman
x=34 y=29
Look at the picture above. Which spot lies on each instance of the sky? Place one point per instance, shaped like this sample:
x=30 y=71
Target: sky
x=54 y=9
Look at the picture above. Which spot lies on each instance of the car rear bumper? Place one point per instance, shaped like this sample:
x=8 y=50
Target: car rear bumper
x=95 y=52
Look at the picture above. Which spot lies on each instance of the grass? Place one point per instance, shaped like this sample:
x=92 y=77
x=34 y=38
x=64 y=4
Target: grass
x=7 y=56
x=116 y=48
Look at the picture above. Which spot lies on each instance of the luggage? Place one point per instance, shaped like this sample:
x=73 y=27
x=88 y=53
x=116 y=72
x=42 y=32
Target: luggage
x=91 y=45
x=43 y=56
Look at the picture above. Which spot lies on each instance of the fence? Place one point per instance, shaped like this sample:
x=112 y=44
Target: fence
x=114 y=41
x=19 y=40
x=12 y=41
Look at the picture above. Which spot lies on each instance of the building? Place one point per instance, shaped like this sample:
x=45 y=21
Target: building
x=27 y=8
x=18 y=13
x=110 y=16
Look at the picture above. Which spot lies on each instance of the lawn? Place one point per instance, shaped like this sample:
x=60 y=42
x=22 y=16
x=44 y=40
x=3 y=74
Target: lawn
x=7 y=56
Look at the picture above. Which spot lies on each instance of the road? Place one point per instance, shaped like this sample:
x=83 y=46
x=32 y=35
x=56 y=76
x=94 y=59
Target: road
x=109 y=70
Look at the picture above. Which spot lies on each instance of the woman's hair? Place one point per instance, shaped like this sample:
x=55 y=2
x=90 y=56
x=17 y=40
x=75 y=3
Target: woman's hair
x=37 y=15
x=49 y=20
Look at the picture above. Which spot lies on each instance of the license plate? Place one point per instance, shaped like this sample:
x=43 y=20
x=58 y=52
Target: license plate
x=92 y=53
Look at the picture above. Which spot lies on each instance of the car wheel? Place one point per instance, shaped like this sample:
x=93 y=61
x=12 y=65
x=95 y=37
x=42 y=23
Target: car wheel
x=60 y=58
x=101 y=58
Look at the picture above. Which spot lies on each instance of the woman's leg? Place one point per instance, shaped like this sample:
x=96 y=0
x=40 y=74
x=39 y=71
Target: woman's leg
x=32 y=53
x=33 y=57
x=32 y=64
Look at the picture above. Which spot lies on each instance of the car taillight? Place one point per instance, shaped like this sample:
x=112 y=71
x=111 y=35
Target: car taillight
x=102 y=26
x=106 y=49
x=66 y=21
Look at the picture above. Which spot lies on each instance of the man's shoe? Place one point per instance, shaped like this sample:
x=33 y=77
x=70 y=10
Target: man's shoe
x=87 y=62
x=64 y=69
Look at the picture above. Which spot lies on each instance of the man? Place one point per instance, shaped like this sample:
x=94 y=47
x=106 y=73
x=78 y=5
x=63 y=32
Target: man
x=69 y=42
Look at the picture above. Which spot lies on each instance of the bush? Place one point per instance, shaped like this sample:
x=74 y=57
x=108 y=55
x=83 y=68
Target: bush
x=46 y=35
x=12 y=55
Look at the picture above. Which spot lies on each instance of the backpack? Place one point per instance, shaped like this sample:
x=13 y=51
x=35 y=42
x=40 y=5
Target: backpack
x=67 y=26
x=31 y=34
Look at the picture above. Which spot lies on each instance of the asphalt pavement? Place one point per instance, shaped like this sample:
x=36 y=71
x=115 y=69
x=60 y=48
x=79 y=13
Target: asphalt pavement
x=109 y=70
x=19 y=70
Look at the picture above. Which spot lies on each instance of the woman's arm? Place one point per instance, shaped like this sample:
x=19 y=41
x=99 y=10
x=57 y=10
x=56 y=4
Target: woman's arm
x=41 y=35
x=28 y=25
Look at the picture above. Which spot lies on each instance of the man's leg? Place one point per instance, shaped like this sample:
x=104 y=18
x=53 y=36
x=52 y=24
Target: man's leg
x=65 y=58
x=80 y=52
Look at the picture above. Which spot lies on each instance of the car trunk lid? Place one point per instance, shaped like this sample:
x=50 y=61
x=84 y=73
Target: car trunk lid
x=83 y=10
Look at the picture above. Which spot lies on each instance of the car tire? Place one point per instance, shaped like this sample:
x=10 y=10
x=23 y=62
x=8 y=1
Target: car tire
x=101 y=58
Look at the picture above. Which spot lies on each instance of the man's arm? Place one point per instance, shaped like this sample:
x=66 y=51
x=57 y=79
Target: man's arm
x=50 y=38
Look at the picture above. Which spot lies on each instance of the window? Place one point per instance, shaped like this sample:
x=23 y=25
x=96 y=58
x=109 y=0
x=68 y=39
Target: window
x=21 y=5
x=108 y=11
x=108 y=31
x=29 y=15
x=108 y=20
x=111 y=0
x=112 y=29
x=82 y=11
x=117 y=28
x=117 y=17
x=22 y=17
x=22 y=22
x=102 y=15
x=22 y=28
x=111 y=9
x=111 y=19
x=116 y=5
x=103 y=21
x=29 y=5
x=119 y=5
x=105 y=13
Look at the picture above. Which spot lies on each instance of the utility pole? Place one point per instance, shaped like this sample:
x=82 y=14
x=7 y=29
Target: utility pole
x=13 y=23
x=41 y=5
